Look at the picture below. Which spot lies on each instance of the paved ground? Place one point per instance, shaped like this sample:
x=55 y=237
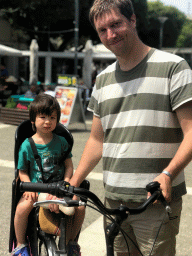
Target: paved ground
x=92 y=236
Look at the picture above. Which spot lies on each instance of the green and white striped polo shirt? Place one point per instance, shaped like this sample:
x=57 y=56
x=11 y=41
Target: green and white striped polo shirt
x=141 y=130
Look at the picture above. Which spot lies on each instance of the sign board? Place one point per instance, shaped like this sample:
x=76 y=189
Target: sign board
x=71 y=105
x=67 y=80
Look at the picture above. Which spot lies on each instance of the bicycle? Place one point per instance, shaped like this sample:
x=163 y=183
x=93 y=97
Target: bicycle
x=86 y=197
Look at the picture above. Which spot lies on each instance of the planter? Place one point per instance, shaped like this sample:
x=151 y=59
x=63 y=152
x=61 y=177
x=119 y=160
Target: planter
x=13 y=116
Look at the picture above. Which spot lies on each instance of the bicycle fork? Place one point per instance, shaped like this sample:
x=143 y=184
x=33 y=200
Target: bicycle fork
x=112 y=231
x=62 y=240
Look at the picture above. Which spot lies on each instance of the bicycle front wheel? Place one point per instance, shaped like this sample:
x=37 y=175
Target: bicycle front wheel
x=47 y=247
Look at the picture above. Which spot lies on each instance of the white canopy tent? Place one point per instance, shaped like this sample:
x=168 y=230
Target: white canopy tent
x=8 y=51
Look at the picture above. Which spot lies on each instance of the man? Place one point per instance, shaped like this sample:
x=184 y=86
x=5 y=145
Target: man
x=142 y=127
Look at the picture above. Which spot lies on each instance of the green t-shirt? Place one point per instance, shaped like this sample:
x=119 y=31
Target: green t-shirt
x=49 y=154
x=141 y=130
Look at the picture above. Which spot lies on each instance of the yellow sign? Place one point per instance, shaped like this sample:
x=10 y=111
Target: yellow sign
x=67 y=80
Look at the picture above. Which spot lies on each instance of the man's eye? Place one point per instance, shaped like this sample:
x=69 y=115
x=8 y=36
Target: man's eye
x=101 y=31
x=116 y=24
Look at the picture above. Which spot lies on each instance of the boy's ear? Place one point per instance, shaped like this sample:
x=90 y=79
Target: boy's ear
x=33 y=126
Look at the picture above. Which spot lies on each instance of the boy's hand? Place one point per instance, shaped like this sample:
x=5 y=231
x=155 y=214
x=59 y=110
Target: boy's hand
x=31 y=196
x=53 y=207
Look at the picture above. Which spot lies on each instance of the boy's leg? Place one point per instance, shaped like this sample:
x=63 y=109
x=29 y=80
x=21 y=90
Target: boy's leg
x=23 y=209
x=74 y=224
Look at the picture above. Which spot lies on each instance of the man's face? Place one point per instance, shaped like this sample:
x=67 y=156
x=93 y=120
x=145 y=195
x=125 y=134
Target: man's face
x=116 y=32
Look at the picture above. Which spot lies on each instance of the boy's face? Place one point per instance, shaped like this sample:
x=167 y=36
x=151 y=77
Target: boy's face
x=45 y=124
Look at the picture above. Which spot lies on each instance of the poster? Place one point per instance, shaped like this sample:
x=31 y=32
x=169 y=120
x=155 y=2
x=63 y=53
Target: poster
x=66 y=97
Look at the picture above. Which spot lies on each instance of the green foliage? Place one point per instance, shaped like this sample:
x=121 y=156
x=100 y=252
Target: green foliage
x=172 y=26
x=140 y=8
x=185 y=37
x=34 y=18
x=10 y=103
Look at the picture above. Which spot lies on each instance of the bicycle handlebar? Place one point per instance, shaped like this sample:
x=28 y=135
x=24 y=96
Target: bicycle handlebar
x=61 y=189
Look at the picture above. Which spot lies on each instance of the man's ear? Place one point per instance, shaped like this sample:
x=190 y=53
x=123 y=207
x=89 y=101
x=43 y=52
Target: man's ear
x=133 y=19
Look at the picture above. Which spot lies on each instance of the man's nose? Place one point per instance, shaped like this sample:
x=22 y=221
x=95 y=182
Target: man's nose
x=111 y=33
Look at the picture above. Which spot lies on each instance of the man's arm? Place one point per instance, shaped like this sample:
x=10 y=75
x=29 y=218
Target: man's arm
x=68 y=169
x=92 y=153
x=184 y=153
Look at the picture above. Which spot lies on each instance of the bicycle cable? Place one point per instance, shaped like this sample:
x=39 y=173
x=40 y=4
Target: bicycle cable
x=158 y=231
x=104 y=213
x=112 y=220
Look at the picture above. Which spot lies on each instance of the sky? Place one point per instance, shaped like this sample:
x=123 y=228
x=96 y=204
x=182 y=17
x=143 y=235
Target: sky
x=183 y=5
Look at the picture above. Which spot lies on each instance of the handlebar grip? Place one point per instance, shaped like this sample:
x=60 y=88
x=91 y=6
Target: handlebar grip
x=35 y=187
x=154 y=186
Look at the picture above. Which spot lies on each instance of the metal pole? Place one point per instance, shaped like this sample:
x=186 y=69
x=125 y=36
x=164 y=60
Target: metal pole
x=161 y=36
x=76 y=39
x=162 y=20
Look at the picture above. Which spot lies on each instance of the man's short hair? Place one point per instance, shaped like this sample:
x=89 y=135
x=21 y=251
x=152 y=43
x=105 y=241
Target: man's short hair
x=44 y=104
x=102 y=6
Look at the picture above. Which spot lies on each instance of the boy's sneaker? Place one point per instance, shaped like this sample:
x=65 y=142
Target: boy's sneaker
x=22 y=250
x=74 y=249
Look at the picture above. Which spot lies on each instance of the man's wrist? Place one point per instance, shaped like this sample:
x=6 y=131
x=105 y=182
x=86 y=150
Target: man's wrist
x=168 y=174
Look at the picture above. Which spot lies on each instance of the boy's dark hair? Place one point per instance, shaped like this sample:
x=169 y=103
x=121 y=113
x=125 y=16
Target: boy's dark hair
x=44 y=104
x=102 y=6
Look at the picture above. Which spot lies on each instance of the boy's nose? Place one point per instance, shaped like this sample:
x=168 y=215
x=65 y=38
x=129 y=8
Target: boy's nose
x=47 y=120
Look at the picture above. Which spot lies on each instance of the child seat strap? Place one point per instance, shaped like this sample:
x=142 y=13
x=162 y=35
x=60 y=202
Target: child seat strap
x=36 y=156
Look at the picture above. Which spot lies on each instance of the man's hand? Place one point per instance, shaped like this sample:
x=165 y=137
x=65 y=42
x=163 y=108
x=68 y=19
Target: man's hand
x=165 y=186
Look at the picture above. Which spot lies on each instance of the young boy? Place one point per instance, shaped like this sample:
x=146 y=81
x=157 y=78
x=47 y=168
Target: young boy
x=44 y=115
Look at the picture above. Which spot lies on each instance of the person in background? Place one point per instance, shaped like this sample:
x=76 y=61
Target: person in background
x=31 y=93
x=4 y=75
x=4 y=72
x=50 y=91
x=142 y=128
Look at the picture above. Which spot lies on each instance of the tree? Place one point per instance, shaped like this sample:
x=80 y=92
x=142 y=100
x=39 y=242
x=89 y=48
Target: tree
x=185 y=37
x=172 y=26
x=140 y=8
x=36 y=18
x=45 y=19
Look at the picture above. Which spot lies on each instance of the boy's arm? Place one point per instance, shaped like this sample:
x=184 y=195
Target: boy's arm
x=67 y=177
x=32 y=196
x=68 y=169
x=23 y=175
